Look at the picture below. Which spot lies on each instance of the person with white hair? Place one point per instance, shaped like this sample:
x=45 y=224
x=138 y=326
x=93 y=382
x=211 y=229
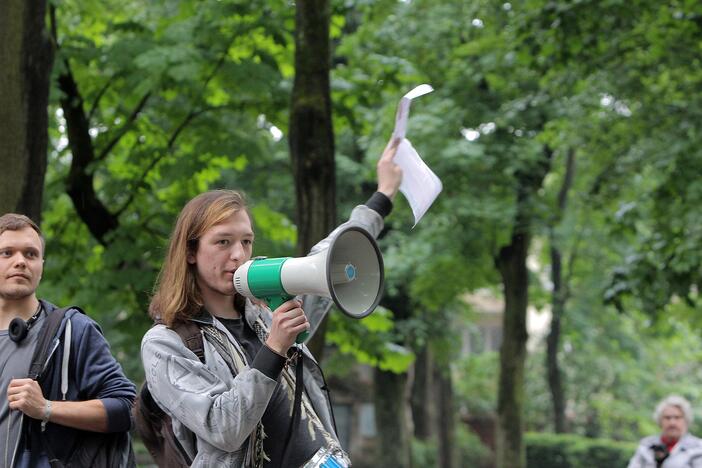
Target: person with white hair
x=674 y=447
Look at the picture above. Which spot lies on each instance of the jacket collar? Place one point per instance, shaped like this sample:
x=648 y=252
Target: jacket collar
x=685 y=442
x=252 y=312
x=202 y=317
x=47 y=306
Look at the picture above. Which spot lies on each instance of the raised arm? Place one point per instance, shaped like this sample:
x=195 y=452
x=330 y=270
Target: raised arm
x=389 y=173
x=369 y=216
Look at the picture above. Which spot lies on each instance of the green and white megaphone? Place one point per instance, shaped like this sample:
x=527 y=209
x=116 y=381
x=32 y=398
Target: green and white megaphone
x=350 y=272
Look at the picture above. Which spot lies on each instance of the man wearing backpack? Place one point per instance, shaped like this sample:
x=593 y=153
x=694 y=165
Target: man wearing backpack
x=65 y=400
x=234 y=405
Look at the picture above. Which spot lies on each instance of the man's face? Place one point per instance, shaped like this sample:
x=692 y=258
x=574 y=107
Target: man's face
x=221 y=250
x=673 y=424
x=21 y=263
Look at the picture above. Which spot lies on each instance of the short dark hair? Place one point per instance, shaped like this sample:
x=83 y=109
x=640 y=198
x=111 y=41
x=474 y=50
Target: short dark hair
x=16 y=222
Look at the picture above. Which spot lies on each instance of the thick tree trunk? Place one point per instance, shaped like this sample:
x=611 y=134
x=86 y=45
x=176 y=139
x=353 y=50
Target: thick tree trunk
x=311 y=136
x=515 y=278
x=559 y=297
x=26 y=56
x=394 y=435
x=511 y=262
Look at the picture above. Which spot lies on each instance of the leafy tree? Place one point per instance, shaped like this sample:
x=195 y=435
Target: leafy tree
x=157 y=103
x=651 y=129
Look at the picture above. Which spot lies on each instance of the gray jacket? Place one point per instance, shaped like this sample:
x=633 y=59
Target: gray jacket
x=213 y=412
x=687 y=453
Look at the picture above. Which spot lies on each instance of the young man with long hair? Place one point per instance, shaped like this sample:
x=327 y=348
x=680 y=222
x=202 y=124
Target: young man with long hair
x=234 y=409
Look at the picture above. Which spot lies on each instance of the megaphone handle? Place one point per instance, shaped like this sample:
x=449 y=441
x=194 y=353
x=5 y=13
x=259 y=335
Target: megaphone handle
x=302 y=336
x=276 y=301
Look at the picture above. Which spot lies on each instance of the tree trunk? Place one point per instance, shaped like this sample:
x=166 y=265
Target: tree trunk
x=511 y=262
x=553 y=371
x=515 y=278
x=311 y=136
x=447 y=417
x=423 y=413
x=394 y=438
x=559 y=296
x=26 y=56
x=433 y=414
x=392 y=398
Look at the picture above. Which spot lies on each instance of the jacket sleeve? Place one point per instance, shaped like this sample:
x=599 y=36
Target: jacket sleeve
x=99 y=375
x=220 y=413
x=635 y=462
x=368 y=217
x=639 y=458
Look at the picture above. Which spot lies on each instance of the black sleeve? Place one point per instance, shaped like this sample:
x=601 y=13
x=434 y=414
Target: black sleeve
x=380 y=203
x=269 y=362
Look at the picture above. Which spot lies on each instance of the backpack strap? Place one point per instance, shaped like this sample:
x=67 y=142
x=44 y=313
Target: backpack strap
x=42 y=351
x=191 y=335
x=46 y=338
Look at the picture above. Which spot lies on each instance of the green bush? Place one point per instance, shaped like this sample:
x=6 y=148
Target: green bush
x=573 y=451
x=471 y=451
x=468 y=451
x=424 y=452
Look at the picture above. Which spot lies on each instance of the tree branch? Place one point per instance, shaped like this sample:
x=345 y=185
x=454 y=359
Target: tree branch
x=123 y=131
x=79 y=183
x=99 y=96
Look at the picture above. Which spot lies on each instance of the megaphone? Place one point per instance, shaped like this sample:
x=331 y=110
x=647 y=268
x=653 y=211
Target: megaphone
x=350 y=272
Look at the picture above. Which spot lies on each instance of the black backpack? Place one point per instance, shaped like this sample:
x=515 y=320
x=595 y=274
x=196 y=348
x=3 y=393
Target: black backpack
x=152 y=423
x=96 y=449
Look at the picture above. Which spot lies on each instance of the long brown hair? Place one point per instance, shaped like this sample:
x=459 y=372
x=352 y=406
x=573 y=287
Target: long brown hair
x=176 y=294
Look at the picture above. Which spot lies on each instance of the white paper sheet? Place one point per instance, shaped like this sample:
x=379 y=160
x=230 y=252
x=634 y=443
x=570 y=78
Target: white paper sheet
x=420 y=185
x=403 y=109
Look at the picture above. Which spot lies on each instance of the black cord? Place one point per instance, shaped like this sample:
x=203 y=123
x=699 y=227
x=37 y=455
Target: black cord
x=297 y=403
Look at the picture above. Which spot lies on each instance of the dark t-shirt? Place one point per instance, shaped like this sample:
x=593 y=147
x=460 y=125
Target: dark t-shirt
x=306 y=438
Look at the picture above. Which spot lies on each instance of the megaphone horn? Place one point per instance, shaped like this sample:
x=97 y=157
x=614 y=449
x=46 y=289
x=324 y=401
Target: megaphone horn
x=350 y=272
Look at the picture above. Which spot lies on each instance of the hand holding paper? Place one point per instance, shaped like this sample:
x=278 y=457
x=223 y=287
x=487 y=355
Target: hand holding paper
x=420 y=185
x=389 y=173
